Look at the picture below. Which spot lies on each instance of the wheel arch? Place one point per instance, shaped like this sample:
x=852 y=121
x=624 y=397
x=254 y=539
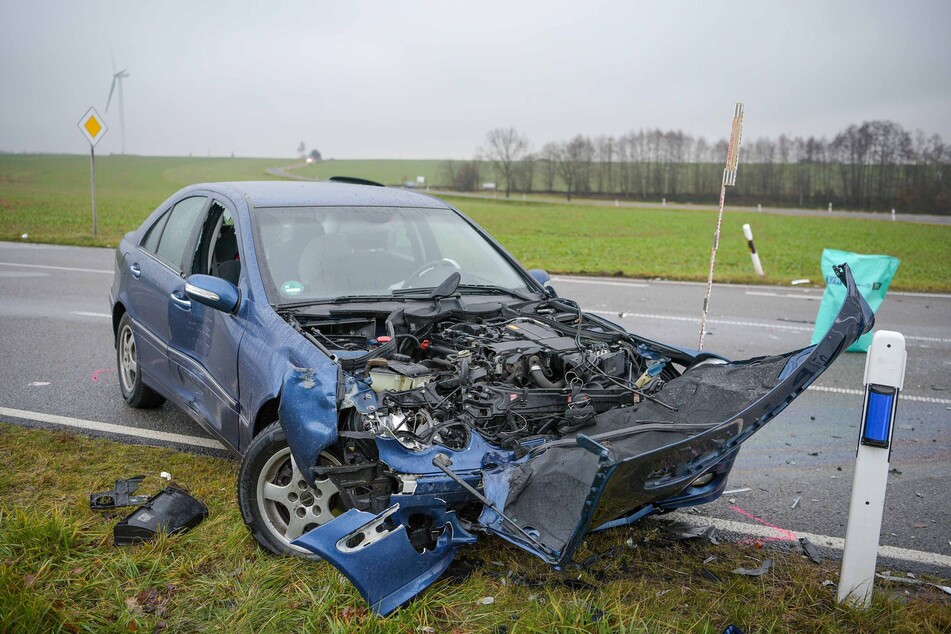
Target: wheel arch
x=117 y=312
x=266 y=415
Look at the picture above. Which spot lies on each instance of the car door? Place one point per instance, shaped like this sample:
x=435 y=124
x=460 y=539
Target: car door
x=203 y=343
x=156 y=275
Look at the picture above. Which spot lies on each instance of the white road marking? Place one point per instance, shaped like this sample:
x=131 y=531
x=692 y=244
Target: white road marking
x=88 y=314
x=109 y=428
x=726 y=322
x=789 y=295
x=901 y=395
x=575 y=280
x=734 y=322
x=837 y=543
x=57 y=268
x=639 y=283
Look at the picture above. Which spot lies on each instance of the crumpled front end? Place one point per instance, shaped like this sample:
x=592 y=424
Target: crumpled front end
x=617 y=461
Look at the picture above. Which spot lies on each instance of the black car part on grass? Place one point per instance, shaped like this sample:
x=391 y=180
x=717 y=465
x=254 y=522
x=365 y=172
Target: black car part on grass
x=171 y=510
x=118 y=497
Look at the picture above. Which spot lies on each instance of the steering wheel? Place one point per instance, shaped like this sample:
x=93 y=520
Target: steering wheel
x=413 y=279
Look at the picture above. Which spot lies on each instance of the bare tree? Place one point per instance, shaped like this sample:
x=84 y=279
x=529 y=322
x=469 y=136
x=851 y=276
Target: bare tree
x=574 y=164
x=549 y=159
x=505 y=147
x=462 y=176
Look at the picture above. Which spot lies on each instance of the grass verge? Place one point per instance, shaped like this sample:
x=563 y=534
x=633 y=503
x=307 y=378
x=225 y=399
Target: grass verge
x=47 y=198
x=61 y=573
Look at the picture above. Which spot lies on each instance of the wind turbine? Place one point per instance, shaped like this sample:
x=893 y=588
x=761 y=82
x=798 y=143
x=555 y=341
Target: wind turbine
x=117 y=79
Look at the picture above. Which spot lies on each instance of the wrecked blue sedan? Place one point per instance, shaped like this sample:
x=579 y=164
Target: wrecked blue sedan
x=397 y=385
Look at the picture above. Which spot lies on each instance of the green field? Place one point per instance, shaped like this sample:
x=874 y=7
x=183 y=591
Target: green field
x=47 y=197
x=386 y=171
x=61 y=573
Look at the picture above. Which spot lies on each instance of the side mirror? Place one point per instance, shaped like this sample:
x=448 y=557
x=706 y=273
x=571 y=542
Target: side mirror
x=543 y=278
x=212 y=291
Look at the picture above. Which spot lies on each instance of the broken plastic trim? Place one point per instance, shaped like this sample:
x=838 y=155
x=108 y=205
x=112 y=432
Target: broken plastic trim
x=362 y=545
x=604 y=480
x=170 y=511
x=118 y=497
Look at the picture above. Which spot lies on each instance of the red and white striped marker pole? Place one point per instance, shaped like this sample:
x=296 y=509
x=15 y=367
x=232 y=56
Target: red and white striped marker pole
x=729 y=180
x=757 y=265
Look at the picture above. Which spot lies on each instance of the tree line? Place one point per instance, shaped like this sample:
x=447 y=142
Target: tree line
x=877 y=165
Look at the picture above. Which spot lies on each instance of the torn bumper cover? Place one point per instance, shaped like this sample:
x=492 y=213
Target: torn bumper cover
x=631 y=462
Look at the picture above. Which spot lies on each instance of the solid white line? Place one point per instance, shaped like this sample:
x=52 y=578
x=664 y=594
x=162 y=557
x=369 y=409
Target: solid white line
x=88 y=314
x=600 y=280
x=726 y=322
x=57 y=268
x=733 y=322
x=108 y=428
x=575 y=280
x=901 y=396
x=838 y=543
x=787 y=295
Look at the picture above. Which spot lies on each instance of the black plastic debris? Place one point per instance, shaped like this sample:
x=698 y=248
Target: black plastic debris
x=171 y=510
x=709 y=575
x=732 y=629
x=120 y=496
x=810 y=549
x=755 y=572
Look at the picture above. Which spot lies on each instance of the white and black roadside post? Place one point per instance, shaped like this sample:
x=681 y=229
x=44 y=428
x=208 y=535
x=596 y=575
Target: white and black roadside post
x=884 y=375
x=93 y=128
x=757 y=265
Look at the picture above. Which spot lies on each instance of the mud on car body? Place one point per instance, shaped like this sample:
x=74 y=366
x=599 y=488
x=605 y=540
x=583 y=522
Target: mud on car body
x=398 y=385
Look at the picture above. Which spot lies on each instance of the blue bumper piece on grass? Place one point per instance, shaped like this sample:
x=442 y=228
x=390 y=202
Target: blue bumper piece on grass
x=375 y=554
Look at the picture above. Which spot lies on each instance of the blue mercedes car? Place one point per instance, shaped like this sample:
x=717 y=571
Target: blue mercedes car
x=396 y=384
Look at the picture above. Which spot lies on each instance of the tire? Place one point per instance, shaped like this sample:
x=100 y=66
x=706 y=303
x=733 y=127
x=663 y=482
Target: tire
x=276 y=503
x=134 y=391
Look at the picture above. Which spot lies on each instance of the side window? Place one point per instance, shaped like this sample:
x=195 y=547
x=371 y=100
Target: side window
x=217 y=251
x=151 y=240
x=178 y=229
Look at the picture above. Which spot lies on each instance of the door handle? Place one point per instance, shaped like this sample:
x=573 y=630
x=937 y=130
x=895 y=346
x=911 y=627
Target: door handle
x=136 y=269
x=179 y=298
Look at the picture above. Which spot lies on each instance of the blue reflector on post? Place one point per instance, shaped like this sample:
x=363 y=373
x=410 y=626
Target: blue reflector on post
x=879 y=406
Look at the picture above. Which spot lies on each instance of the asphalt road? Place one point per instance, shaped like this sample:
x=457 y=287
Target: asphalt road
x=58 y=358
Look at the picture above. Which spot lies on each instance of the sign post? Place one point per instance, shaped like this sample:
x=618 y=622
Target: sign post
x=93 y=128
x=884 y=376
x=729 y=180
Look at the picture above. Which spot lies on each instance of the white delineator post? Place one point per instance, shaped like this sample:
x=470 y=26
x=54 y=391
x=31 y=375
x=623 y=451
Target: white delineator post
x=729 y=180
x=884 y=376
x=757 y=265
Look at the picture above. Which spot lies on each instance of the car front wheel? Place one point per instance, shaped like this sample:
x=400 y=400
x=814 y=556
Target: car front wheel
x=134 y=391
x=277 y=504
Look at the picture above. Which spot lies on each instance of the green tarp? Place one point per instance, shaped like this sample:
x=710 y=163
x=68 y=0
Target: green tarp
x=873 y=274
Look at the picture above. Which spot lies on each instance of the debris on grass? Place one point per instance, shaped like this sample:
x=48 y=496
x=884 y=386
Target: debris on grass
x=709 y=575
x=680 y=531
x=486 y=601
x=119 y=496
x=810 y=550
x=755 y=572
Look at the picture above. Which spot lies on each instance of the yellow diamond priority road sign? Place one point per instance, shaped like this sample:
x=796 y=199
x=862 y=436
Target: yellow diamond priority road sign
x=92 y=126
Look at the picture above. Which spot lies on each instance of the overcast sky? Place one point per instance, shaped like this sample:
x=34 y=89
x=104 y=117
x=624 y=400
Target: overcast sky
x=429 y=79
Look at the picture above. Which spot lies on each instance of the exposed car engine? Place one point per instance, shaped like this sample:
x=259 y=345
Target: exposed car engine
x=510 y=376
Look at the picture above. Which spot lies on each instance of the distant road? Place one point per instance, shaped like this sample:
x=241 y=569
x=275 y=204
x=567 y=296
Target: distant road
x=781 y=211
x=287 y=172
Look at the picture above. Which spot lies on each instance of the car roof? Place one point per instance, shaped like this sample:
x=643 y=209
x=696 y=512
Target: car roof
x=323 y=194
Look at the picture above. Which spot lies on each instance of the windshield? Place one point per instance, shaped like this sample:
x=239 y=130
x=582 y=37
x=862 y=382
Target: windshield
x=315 y=253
